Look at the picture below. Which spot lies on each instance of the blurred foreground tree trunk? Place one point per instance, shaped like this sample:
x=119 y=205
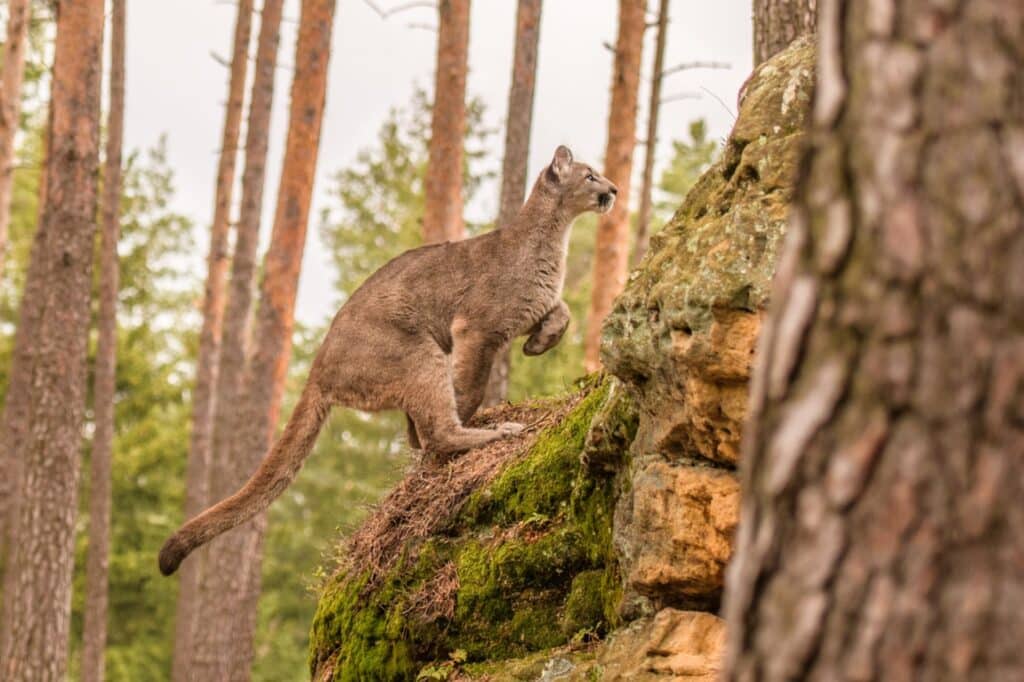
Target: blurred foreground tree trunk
x=218 y=642
x=258 y=405
x=442 y=209
x=197 y=469
x=643 y=216
x=34 y=629
x=517 y=150
x=611 y=251
x=881 y=525
x=777 y=23
x=18 y=15
x=94 y=635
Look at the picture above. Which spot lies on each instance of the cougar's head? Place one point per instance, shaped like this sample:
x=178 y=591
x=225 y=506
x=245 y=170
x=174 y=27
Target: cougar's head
x=578 y=186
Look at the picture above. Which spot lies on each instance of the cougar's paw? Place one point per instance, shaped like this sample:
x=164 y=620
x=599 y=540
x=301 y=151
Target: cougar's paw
x=507 y=429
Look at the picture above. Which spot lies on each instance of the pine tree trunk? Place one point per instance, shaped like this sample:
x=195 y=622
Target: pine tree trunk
x=777 y=23
x=883 y=470
x=18 y=16
x=215 y=643
x=14 y=420
x=442 y=210
x=643 y=216
x=197 y=473
x=517 y=150
x=34 y=628
x=611 y=252
x=259 y=404
x=94 y=635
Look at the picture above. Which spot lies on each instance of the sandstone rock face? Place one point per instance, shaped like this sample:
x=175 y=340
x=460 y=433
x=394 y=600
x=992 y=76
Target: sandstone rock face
x=682 y=337
x=681 y=521
x=674 y=645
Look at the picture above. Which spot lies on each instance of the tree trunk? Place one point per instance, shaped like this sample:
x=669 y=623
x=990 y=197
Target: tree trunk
x=197 y=470
x=517 y=150
x=37 y=582
x=643 y=216
x=442 y=210
x=15 y=421
x=18 y=16
x=881 y=526
x=94 y=637
x=259 y=405
x=777 y=23
x=611 y=251
x=217 y=644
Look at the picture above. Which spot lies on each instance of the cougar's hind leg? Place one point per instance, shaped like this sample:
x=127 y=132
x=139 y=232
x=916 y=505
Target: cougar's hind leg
x=429 y=400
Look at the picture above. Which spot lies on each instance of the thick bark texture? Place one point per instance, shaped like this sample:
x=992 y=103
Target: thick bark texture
x=219 y=644
x=883 y=467
x=517 y=150
x=442 y=210
x=15 y=419
x=611 y=252
x=777 y=23
x=197 y=469
x=94 y=636
x=643 y=216
x=18 y=16
x=37 y=582
x=259 y=405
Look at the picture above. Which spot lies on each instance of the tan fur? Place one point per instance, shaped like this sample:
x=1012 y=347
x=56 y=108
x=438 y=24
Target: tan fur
x=420 y=336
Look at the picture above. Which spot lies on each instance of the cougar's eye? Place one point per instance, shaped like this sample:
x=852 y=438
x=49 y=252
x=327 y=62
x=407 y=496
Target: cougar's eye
x=591 y=178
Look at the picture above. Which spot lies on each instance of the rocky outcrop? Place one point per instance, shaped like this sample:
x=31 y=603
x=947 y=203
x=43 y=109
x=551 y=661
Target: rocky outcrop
x=593 y=546
x=682 y=338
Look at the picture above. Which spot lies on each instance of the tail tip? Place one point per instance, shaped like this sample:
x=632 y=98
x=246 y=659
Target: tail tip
x=172 y=554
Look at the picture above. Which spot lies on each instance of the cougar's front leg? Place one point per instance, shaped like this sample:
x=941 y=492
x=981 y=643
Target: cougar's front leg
x=473 y=354
x=546 y=334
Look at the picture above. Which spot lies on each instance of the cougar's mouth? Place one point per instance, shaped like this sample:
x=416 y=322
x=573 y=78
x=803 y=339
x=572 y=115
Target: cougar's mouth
x=605 y=201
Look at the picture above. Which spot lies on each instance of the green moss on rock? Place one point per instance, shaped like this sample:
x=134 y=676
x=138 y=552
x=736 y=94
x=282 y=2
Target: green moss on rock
x=533 y=565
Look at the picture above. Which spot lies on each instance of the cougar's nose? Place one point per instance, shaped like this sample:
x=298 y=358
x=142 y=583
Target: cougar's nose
x=613 y=189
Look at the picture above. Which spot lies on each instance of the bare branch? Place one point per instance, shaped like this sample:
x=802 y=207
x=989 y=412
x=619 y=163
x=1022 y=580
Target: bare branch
x=608 y=46
x=695 y=65
x=220 y=60
x=724 y=105
x=678 y=96
x=385 y=13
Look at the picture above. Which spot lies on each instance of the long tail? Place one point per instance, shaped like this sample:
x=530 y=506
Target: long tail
x=275 y=473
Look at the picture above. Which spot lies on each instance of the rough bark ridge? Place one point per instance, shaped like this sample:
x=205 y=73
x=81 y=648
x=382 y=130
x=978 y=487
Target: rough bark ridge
x=643 y=216
x=611 y=252
x=442 y=210
x=517 y=149
x=777 y=23
x=235 y=621
x=203 y=401
x=94 y=636
x=216 y=641
x=884 y=460
x=18 y=15
x=37 y=583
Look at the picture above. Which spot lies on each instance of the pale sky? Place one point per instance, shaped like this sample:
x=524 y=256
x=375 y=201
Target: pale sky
x=174 y=87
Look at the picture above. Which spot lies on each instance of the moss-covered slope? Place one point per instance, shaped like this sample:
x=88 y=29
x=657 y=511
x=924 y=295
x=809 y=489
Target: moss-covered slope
x=523 y=564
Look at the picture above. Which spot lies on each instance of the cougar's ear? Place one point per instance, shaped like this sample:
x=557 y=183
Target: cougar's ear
x=560 y=165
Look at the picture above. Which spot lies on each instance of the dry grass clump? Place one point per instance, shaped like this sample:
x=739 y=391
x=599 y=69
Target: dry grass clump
x=432 y=493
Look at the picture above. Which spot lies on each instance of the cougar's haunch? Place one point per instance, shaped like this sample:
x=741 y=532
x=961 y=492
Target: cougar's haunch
x=420 y=336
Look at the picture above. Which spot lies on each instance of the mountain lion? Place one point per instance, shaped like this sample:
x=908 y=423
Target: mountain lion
x=420 y=336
